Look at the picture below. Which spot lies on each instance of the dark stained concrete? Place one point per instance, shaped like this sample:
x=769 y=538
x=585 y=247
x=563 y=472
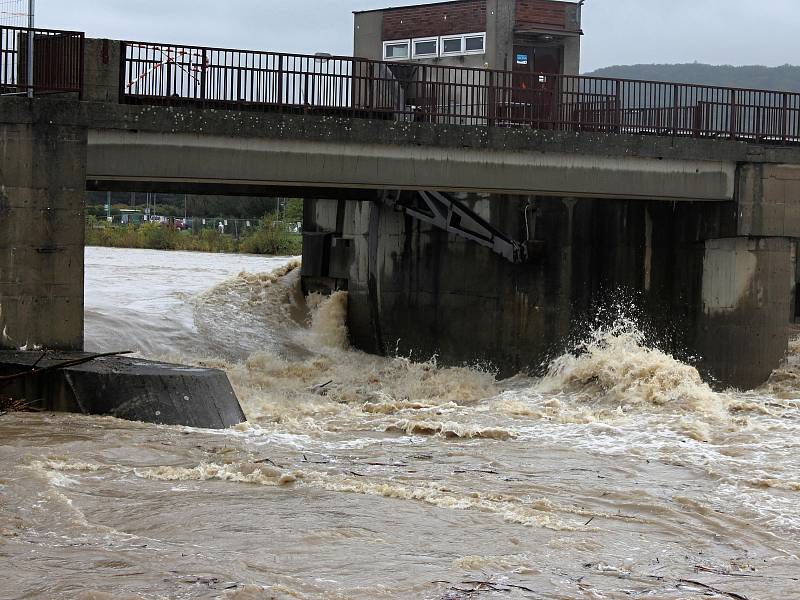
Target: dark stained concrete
x=699 y=290
x=126 y=388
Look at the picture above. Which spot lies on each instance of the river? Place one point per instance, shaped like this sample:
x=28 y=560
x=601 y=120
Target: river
x=619 y=475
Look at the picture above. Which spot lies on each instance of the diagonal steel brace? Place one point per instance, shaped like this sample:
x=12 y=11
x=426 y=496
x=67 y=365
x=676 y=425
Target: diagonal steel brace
x=454 y=217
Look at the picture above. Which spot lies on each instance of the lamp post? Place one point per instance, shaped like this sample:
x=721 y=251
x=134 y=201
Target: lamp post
x=31 y=23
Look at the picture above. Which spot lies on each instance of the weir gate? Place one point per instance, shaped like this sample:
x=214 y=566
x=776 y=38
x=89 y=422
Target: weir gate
x=473 y=213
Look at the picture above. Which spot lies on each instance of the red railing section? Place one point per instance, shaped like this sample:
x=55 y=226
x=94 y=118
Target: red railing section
x=57 y=61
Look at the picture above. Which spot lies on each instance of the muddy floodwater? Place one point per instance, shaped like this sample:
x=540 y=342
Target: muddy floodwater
x=619 y=475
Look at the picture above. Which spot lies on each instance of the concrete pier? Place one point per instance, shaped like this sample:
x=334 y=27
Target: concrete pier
x=42 y=189
x=706 y=291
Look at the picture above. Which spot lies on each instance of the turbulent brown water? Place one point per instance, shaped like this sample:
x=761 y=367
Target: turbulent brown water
x=619 y=475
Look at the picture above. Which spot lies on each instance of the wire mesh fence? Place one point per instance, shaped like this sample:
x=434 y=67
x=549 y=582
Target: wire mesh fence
x=14 y=13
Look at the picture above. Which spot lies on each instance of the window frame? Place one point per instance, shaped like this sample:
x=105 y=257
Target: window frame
x=447 y=38
x=435 y=54
x=482 y=36
x=406 y=42
x=462 y=37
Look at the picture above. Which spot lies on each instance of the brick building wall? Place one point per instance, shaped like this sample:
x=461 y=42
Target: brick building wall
x=544 y=13
x=432 y=20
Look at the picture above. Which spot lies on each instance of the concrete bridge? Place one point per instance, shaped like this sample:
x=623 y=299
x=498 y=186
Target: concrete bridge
x=471 y=230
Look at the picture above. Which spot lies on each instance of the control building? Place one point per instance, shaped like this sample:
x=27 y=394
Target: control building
x=541 y=36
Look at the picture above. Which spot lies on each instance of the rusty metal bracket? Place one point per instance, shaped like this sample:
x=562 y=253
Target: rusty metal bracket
x=452 y=216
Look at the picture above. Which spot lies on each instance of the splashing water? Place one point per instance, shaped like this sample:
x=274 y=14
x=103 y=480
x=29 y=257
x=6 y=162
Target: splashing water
x=616 y=368
x=329 y=319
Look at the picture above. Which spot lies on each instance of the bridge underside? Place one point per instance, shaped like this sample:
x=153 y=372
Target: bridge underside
x=120 y=159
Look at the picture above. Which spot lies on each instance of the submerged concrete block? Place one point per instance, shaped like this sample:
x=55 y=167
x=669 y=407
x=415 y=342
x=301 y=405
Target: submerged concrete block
x=126 y=388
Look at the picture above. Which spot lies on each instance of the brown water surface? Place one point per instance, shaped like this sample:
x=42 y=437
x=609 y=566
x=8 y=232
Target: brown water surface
x=619 y=475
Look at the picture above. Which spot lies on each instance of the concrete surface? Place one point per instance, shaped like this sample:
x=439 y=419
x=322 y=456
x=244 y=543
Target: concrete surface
x=42 y=188
x=115 y=155
x=769 y=200
x=748 y=304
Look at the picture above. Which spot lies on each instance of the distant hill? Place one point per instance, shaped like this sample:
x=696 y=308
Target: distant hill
x=785 y=78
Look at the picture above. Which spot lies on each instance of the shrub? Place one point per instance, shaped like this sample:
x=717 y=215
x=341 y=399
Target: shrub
x=271 y=237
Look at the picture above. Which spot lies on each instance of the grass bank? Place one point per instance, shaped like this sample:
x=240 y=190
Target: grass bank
x=268 y=238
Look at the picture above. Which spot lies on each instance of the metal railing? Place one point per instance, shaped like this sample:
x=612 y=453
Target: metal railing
x=244 y=79
x=216 y=77
x=57 y=61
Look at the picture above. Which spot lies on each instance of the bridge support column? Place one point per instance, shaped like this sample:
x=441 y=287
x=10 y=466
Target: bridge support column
x=747 y=307
x=42 y=186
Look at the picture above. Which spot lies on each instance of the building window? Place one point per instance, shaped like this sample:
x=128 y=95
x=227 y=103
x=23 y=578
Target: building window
x=469 y=43
x=426 y=47
x=475 y=43
x=452 y=45
x=397 y=50
x=434 y=47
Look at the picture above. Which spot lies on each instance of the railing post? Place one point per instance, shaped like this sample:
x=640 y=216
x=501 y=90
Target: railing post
x=81 y=66
x=239 y=86
x=204 y=77
x=123 y=71
x=617 y=108
x=732 y=127
x=675 y=103
x=491 y=100
x=785 y=117
x=371 y=88
x=31 y=36
x=169 y=78
x=698 y=119
x=555 y=91
x=759 y=124
x=423 y=84
x=280 y=83
x=305 y=92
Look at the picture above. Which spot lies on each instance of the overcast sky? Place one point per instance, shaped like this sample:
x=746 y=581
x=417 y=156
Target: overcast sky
x=738 y=32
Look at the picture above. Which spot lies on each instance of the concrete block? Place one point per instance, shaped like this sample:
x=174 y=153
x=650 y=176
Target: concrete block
x=126 y=388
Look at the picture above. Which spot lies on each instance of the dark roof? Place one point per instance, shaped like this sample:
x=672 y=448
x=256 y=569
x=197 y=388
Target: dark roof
x=410 y=6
